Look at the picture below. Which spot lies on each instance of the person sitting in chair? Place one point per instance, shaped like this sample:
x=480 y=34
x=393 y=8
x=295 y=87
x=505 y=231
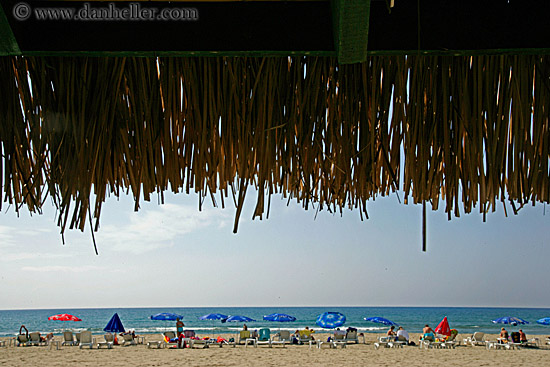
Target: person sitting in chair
x=522 y=336
x=503 y=338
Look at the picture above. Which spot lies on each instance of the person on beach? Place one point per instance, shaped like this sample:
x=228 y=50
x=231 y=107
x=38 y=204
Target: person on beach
x=179 y=326
x=402 y=334
x=391 y=333
x=522 y=336
x=428 y=333
x=503 y=338
x=245 y=327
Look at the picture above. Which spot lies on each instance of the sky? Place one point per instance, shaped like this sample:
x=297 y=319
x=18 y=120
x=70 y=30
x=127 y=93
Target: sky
x=174 y=255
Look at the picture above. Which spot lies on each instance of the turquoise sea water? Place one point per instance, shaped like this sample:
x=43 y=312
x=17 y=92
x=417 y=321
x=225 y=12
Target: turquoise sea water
x=465 y=320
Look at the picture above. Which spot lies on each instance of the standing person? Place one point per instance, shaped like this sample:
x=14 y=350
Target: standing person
x=179 y=326
x=179 y=329
x=245 y=327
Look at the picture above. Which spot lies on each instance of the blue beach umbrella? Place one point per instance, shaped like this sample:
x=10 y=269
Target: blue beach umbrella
x=280 y=317
x=330 y=320
x=510 y=320
x=114 y=325
x=544 y=321
x=381 y=320
x=213 y=316
x=166 y=316
x=238 y=318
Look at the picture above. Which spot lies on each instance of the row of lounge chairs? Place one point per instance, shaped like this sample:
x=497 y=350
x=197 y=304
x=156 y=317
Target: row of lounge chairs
x=478 y=338
x=262 y=337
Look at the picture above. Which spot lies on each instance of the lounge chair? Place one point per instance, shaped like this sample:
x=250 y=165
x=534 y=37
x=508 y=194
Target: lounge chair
x=23 y=340
x=282 y=337
x=86 y=339
x=169 y=337
x=243 y=335
x=128 y=339
x=305 y=337
x=383 y=341
x=264 y=337
x=351 y=336
x=68 y=338
x=109 y=341
x=475 y=339
x=34 y=338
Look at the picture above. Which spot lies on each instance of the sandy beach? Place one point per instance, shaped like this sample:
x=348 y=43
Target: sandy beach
x=295 y=355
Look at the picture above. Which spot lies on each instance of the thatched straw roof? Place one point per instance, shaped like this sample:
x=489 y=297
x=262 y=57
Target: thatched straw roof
x=466 y=130
x=463 y=130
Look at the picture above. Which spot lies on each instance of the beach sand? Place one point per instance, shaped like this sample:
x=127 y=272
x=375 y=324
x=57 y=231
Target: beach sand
x=293 y=355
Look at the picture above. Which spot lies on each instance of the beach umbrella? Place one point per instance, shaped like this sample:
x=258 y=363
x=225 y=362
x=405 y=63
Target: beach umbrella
x=381 y=320
x=330 y=320
x=510 y=320
x=279 y=317
x=213 y=317
x=114 y=325
x=544 y=321
x=166 y=316
x=64 y=317
x=443 y=328
x=238 y=318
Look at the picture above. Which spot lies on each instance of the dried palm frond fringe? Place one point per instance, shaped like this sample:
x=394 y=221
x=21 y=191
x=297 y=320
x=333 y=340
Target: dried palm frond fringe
x=463 y=130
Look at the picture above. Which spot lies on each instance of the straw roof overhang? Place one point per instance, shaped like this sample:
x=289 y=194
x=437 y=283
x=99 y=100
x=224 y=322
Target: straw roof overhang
x=467 y=130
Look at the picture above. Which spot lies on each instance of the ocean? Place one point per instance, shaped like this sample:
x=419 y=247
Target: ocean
x=466 y=320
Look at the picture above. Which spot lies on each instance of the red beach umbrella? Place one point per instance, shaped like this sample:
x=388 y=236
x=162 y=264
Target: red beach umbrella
x=64 y=317
x=443 y=327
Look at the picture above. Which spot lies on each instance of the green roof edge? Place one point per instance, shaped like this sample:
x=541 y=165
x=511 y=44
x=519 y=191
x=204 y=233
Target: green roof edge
x=8 y=43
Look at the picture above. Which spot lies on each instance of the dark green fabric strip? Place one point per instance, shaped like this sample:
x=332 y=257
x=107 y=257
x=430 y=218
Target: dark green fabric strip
x=8 y=43
x=351 y=28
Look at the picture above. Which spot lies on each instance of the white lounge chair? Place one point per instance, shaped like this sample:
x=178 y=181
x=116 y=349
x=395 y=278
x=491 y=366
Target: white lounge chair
x=351 y=336
x=34 y=338
x=68 y=338
x=86 y=339
x=169 y=335
x=109 y=341
x=22 y=340
x=128 y=339
x=475 y=339
x=282 y=337
x=383 y=341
